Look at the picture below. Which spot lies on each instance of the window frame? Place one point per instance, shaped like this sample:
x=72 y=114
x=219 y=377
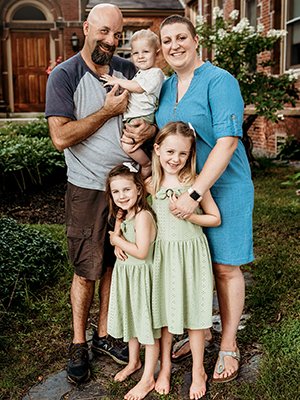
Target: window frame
x=287 y=40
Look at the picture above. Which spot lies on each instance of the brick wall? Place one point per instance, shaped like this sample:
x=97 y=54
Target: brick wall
x=265 y=135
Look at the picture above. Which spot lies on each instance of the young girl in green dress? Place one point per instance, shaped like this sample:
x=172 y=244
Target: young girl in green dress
x=182 y=270
x=129 y=315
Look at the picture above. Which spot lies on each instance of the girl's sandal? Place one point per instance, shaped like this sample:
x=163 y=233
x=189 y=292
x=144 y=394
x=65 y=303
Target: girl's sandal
x=220 y=365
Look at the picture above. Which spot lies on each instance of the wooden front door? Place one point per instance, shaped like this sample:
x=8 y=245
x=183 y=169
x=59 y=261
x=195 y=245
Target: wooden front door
x=30 y=58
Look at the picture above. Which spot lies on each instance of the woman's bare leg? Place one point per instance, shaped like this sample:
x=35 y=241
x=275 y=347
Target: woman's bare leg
x=230 y=286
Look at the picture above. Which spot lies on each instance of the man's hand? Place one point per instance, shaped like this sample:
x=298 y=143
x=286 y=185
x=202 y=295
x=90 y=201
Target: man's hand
x=115 y=104
x=137 y=132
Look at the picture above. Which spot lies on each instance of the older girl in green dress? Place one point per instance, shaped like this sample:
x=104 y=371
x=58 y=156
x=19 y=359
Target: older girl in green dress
x=182 y=270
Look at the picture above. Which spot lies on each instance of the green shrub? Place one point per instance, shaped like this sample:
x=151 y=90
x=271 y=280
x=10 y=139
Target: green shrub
x=29 y=261
x=290 y=150
x=37 y=128
x=27 y=154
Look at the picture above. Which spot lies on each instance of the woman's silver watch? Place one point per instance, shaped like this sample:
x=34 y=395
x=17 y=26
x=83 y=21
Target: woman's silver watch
x=194 y=194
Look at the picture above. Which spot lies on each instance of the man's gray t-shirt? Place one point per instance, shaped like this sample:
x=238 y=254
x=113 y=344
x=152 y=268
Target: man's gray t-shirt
x=75 y=91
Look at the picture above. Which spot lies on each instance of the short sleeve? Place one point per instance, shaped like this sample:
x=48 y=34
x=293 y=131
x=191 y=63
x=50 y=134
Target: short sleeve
x=226 y=105
x=151 y=80
x=59 y=95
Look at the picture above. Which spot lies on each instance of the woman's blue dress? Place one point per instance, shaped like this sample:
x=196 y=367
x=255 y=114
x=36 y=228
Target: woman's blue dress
x=214 y=106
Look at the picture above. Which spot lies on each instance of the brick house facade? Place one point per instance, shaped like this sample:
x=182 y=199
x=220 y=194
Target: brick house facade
x=34 y=33
x=273 y=14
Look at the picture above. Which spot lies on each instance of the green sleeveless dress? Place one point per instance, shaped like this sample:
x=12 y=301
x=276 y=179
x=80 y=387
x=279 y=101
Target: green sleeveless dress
x=182 y=271
x=130 y=314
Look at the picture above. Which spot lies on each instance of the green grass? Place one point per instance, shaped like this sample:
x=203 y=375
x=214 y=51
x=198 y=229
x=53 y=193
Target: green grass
x=34 y=344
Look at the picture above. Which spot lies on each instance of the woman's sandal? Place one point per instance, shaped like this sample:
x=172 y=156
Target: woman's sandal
x=178 y=345
x=220 y=365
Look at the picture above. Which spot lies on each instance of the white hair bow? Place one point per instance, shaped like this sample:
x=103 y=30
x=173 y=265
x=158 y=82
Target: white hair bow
x=133 y=167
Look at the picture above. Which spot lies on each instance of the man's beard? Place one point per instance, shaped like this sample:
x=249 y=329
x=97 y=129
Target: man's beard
x=100 y=57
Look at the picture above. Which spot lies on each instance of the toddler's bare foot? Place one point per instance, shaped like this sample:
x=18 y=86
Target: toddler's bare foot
x=140 y=391
x=162 y=385
x=127 y=371
x=198 y=386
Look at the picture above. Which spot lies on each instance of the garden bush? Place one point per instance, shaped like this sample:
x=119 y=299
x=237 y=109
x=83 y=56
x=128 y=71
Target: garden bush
x=35 y=128
x=29 y=261
x=27 y=155
x=290 y=150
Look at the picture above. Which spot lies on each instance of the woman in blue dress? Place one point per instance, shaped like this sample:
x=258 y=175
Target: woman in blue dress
x=209 y=98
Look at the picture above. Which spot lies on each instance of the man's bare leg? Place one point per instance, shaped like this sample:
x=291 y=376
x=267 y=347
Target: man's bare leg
x=230 y=286
x=104 y=290
x=82 y=292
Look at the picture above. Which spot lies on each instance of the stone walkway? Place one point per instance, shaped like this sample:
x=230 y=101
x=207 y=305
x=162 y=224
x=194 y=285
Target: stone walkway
x=102 y=387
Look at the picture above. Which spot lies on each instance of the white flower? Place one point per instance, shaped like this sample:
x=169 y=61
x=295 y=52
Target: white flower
x=280 y=116
x=292 y=74
x=241 y=26
x=277 y=33
x=222 y=33
x=217 y=13
x=260 y=28
x=234 y=14
x=200 y=20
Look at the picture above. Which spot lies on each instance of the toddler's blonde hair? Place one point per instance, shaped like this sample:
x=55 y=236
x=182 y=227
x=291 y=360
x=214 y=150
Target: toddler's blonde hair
x=146 y=34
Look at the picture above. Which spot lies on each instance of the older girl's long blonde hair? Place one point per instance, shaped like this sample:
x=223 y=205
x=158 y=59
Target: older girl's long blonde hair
x=187 y=175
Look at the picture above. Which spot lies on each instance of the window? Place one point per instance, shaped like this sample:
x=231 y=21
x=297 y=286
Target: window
x=123 y=49
x=28 y=13
x=250 y=11
x=193 y=12
x=293 y=36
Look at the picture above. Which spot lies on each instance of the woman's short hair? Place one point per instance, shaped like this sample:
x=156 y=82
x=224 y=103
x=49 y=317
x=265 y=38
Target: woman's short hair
x=179 y=19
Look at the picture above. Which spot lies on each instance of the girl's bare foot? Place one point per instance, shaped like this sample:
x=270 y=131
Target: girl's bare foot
x=140 y=391
x=162 y=385
x=198 y=386
x=127 y=371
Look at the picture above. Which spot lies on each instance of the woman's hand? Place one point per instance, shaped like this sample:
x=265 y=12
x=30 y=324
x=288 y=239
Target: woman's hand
x=183 y=206
x=137 y=132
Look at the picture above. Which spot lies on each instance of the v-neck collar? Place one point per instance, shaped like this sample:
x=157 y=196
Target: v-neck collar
x=197 y=72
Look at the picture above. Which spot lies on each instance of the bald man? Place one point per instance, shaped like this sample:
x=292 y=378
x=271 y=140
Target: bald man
x=85 y=122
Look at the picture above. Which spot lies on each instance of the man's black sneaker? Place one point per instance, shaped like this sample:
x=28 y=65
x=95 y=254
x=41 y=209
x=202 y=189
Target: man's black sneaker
x=105 y=345
x=78 y=364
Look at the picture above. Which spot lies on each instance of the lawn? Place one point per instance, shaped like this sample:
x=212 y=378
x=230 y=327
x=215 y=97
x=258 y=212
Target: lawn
x=34 y=343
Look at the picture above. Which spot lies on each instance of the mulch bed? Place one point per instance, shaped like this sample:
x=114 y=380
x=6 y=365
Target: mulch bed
x=37 y=205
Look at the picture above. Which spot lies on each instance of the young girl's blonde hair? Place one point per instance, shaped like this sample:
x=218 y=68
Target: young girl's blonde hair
x=187 y=175
x=146 y=34
x=141 y=203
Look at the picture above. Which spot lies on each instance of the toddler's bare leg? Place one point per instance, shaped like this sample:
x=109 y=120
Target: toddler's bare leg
x=140 y=157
